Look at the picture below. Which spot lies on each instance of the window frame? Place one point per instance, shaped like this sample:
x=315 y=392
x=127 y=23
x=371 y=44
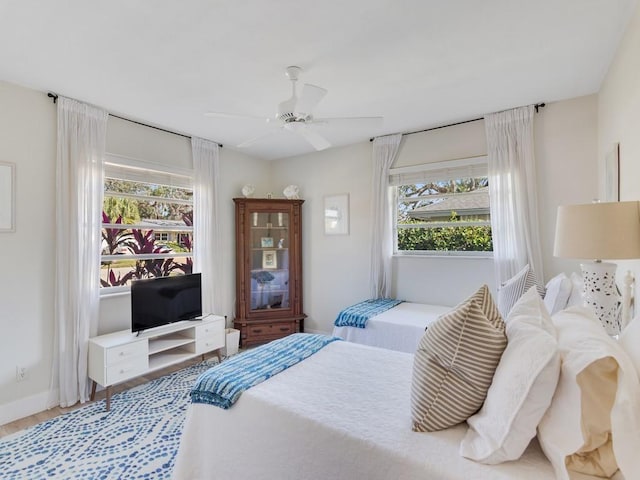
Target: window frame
x=130 y=169
x=437 y=171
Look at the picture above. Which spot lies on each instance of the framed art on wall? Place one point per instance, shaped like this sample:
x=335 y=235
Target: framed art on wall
x=7 y=197
x=336 y=214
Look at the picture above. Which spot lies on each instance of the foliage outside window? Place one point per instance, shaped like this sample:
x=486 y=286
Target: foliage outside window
x=447 y=215
x=147 y=229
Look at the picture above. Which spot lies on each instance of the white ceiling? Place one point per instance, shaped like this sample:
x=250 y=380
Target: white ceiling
x=417 y=63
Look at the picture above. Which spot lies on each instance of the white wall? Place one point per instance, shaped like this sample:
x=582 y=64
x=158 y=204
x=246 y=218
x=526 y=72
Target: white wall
x=619 y=121
x=336 y=268
x=28 y=139
x=566 y=156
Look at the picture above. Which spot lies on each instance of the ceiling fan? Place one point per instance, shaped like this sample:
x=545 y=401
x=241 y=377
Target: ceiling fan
x=295 y=114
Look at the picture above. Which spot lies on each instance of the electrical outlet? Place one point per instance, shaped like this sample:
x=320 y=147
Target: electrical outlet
x=21 y=373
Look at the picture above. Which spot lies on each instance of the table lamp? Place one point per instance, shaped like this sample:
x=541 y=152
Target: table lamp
x=599 y=231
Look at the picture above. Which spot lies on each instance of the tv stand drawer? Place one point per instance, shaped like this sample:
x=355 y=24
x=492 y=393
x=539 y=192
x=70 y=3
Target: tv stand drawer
x=213 y=327
x=124 y=352
x=125 y=370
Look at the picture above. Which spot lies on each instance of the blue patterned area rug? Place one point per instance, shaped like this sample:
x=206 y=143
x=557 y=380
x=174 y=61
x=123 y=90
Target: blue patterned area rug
x=137 y=439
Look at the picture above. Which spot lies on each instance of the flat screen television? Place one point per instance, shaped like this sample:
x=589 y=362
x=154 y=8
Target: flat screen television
x=160 y=301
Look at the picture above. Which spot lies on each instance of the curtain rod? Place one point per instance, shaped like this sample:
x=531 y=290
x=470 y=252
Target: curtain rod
x=54 y=97
x=536 y=106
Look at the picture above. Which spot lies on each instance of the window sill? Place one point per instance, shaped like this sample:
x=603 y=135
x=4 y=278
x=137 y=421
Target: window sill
x=114 y=292
x=440 y=255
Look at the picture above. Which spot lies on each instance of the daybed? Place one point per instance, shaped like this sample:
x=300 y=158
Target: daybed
x=342 y=413
x=399 y=328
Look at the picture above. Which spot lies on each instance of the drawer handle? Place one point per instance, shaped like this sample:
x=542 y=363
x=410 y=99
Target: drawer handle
x=257 y=330
x=284 y=329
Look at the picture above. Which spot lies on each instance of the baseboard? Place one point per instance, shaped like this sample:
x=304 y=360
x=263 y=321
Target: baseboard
x=310 y=330
x=25 y=407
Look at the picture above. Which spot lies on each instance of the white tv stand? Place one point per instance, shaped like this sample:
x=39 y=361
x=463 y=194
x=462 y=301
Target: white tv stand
x=120 y=356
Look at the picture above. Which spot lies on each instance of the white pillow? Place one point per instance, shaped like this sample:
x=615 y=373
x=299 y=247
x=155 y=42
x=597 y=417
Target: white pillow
x=522 y=387
x=593 y=422
x=630 y=341
x=557 y=293
x=576 y=298
x=511 y=290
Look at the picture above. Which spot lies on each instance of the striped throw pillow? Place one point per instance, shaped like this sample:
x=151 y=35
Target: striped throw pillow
x=511 y=290
x=455 y=362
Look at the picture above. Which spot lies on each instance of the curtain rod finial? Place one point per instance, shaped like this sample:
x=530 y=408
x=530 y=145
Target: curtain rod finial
x=53 y=96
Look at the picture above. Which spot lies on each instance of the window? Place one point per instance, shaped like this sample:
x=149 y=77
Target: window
x=442 y=208
x=147 y=219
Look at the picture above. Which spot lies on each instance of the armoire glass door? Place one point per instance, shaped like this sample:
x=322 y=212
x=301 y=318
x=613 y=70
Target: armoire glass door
x=269 y=260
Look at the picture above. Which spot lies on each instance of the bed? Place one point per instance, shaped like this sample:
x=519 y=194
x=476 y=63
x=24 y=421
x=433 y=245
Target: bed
x=399 y=328
x=327 y=418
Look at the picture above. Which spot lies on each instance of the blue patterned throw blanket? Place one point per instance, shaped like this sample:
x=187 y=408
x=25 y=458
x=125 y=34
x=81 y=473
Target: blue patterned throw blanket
x=222 y=385
x=358 y=314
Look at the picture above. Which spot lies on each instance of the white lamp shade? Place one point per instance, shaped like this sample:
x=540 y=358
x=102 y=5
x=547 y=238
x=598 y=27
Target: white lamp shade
x=598 y=231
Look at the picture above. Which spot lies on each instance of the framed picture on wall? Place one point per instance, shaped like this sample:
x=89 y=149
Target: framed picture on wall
x=612 y=175
x=336 y=214
x=7 y=197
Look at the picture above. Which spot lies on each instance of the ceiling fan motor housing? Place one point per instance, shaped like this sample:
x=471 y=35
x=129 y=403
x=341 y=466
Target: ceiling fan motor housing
x=286 y=111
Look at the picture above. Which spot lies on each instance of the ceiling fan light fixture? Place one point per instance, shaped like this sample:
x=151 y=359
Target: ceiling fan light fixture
x=294 y=126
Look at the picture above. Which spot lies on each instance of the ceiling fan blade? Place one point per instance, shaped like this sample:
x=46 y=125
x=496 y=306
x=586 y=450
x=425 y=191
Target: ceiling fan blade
x=233 y=116
x=309 y=98
x=316 y=140
x=362 y=121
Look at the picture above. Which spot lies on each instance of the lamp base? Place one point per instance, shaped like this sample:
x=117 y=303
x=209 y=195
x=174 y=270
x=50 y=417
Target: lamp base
x=601 y=293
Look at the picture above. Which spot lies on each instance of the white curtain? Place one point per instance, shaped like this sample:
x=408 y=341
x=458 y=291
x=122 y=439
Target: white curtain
x=79 y=192
x=385 y=150
x=512 y=191
x=207 y=239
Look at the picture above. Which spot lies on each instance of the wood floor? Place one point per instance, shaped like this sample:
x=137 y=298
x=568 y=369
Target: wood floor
x=23 y=423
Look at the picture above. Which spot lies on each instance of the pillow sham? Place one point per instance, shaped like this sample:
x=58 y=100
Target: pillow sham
x=455 y=362
x=630 y=341
x=522 y=387
x=557 y=293
x=592 y=424
x=514 y=288
x=576 y=299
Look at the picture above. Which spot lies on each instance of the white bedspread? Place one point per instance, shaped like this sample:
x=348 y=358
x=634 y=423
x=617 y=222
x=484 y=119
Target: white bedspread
x=343 y=413
x=399 y=328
